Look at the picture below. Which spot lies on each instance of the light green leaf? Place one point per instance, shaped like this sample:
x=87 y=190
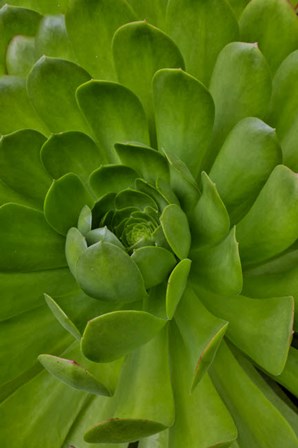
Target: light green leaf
x=149 y=163
x=140 y=50
x=218 y=268
x=247 y=165
x=202 y=334
x=238 y=7
x=153 y=12
x=28 y=243
x=261 y=328
x=112 y=178
x=240 y=86
x=288 y=377
x=176 y=230
x=103 y=234
x=259 y=22
x=64 y=202
x=15 y=21
x=210 y=222
x=75 y=246
x=16 y=110
x=151 y=408
x=184 y=115
x=51 y=87
x=62 y=318
x=155 y=264
x=270 y=226
x=20 y=55
x=114 y=114
x=20 y=165
x=52 y=39
x=43 y=6
x=201 y=30
x=258 y=421
x=90 y=25
x=85 y=220
x=73 y=374
x=70 y=152
x=96 y=270
x=176 y=285
x=201 y=417
x=284 y=106
x=112 y=335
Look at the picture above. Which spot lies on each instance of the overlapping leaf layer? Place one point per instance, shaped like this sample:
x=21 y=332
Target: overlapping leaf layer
x=148 y=223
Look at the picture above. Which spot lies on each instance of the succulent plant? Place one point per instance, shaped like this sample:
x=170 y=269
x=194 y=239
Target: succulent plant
x=149 y=223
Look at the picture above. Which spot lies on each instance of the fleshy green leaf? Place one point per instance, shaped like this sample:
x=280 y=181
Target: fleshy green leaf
x=85 y=220
x=20 y=165
x=151 y=408
x=70 y=152
x=155 y=264
x=73 y=374
x=284 y=106
x=210 y=221
x=249 y=405
x=51 y=87
x=153 y=11
x=75 y=246
x=201 y=30
x=20 y=55
x=115 y=334
x=96 y=270
x=15 y=21
x=259 y=22
x=112 y=178
x=218 y=268
x=52 y=40
x=62 y=318
x=176 y=285
x=149 y=163
x=139 y=51
x=90 y=26
x=114 y=114
x=241 y=72
x=176 y=230
x=184 y=115
x=64 y=202
x=247 y=165
x=261 y=328
x=16 y=111
x=288 y=377
x=27 y=242
x=270 y=226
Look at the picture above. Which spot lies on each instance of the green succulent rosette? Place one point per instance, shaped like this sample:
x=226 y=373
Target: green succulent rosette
x=148 y=224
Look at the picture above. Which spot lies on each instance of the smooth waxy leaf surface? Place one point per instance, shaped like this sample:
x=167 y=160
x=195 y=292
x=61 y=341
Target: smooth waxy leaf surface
x=73 y=374
x=249 y=405
x=64 y=202
x=192 y=24
x=247 y=165
x=20 y=165
x=90 y=25
x=51 y=87
x=75 y=246
x=155 y=264
x=149 y=163
x=218 y=268
x=96 y=270
x=210 y=222
x=112 y=178
x=259 y=22
x=176 y=285
x=241 y=72
x=114 y=114
x=153 y=11
x=175 y=227
x=140 y=50
x=62 y=318
x=62 y=153
x=115 y=334
x=28 y=243
x=288 y=377
x=270 y=226
x=184 y=115
x=20 y=55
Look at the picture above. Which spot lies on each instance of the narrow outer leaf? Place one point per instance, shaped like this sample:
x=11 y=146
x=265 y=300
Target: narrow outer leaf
x=175 y=227
x=62 y=318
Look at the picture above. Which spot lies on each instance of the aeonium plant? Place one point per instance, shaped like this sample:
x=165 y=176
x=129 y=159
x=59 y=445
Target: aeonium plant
x=149 y=223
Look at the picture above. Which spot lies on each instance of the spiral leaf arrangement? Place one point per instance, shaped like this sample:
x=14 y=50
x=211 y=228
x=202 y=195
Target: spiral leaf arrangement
x=149 y=223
